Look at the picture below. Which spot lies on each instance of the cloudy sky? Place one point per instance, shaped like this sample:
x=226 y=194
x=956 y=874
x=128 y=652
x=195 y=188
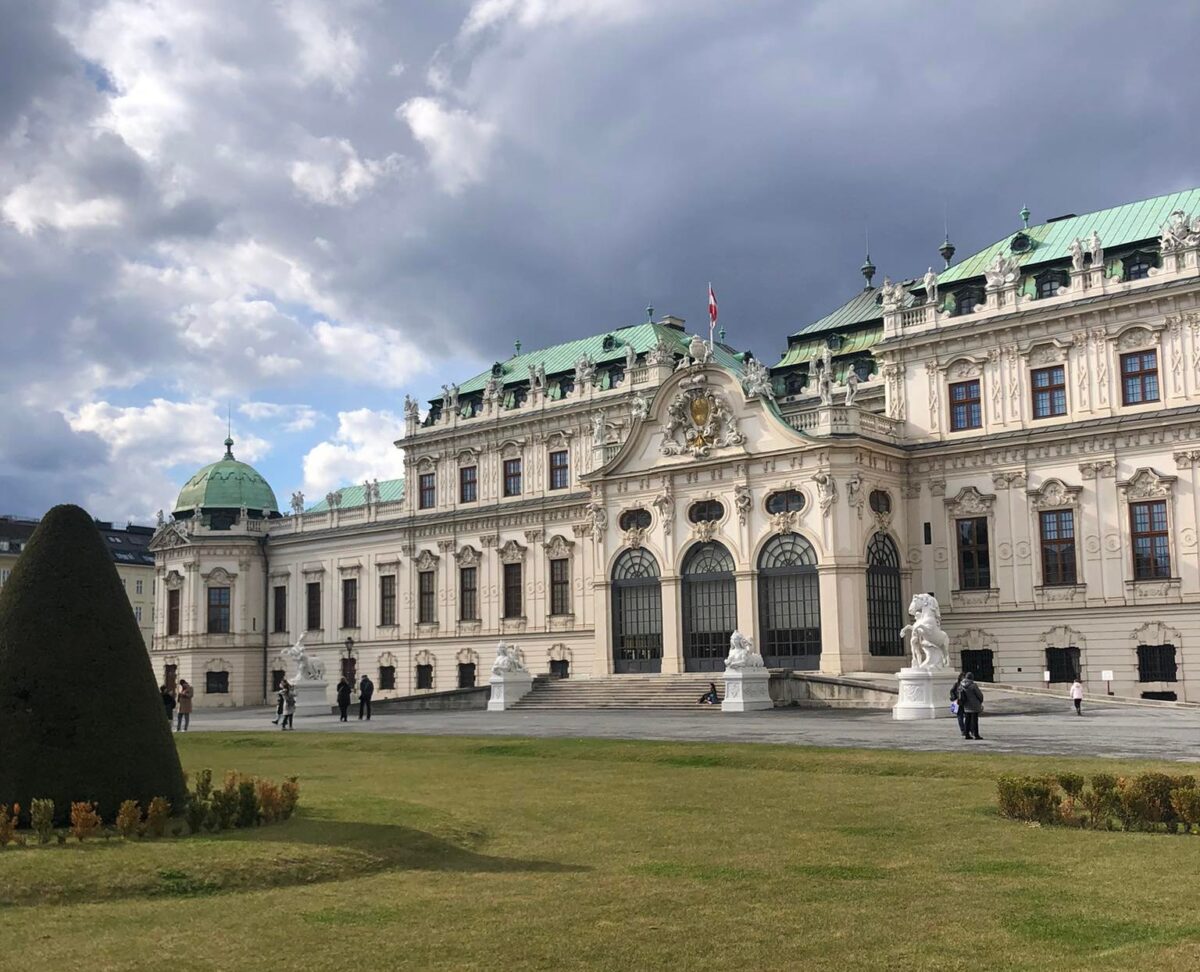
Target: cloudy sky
x=303 y=209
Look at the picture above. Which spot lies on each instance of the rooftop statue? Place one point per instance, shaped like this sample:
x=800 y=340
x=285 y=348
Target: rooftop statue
x=630 y=357
x=412 y=411
x=929 y=644
x=893 y=295
x=851 y=384
x=585 y=371
x=825 y=386
x=1075 y=248
x=1003 y=270
x=931 y=286
x=1096 y=250
x=1179 y=231
x=297 y=503
x=742 y=654
x=757 y=381
x=699 y=350
x=639 y=407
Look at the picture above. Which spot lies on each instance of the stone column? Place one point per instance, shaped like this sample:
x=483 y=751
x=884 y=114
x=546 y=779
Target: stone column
x=672 y=626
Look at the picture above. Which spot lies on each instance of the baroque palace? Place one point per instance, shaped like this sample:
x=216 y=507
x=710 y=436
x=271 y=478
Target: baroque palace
x=1017 y=432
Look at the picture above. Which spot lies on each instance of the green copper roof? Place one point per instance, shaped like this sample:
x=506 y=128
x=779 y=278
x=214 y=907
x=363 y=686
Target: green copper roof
x=1131 y=223
x=390 y=491
x=799 y=352
x=560 y=358
x=862 y=307
x=227 y=485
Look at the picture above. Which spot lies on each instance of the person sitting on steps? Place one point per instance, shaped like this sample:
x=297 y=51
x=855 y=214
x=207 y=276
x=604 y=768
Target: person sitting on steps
x=710 y=697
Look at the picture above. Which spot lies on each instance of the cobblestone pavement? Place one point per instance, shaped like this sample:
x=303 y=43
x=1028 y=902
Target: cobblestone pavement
x=1013 y=723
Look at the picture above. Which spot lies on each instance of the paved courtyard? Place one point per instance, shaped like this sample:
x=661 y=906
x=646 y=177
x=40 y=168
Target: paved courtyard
x=1013 y=723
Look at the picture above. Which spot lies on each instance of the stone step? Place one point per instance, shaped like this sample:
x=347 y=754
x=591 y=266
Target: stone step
x=620 y=692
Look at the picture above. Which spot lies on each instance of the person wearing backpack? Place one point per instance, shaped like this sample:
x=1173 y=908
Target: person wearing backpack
x=366 y=689
x=970 y=700
x=956 y=705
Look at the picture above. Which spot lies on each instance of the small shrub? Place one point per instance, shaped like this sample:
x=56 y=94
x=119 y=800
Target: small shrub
x=157 y=815
x=85 y=821
x=270 y=800
x=1067 y=813
x=1104 y=782
x=1028 y=798
x=223 y=809
x=129 y=819
x=8 y=822
x=197 y=812
x=203 y=787
x=290 y=790
x=1185 y=801
x=1101 y=807
x=41 y=818
x=249 y=810
x=1071 y=783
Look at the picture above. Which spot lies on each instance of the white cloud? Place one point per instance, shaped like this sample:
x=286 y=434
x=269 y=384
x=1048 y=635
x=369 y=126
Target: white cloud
x=457 y=143
x=45 y=202
x=361 y=449
x=329 y=52
x=335 y=175
x=294 y=418
x=377 y=356
x=534 y=14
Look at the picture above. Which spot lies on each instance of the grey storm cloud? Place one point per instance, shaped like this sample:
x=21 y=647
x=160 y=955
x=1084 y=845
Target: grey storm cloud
x=232 y=198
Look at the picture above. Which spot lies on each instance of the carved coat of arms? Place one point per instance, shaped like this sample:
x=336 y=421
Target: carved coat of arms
x=697 y=422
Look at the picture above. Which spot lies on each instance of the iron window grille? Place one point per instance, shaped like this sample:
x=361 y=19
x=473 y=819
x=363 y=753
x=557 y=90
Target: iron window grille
x=1058 y=547
x=709 y=607
x=560 y=586
x=966 y=406
x=1049 y=391
x=218 y=610
x=312 y=593
x=426 y=491
x=468 y=593
x=560 y=469
x=1156 y=663
x=980 y=663
x=512 y=477
x=426 y=603
x=560 y=668
x=468 y=484
x=974 y=564
x=880 y=501
x=636 y=612
x=789 y=602
x=1063 y=664
x=1139 y=377
x=885 y=608
x=1151 y=543
x=216 y=683
x=635 y=519
x=514 y=599
x=705 y=511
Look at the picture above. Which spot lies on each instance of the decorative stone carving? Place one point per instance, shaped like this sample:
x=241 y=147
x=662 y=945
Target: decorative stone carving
x=412 y=411
x=1104 y=468
x=1096 y=250
x=825 y=386
x=1075 y=248
x=1155 y=633
x=634 y=537
x=559 y=547
x=308 y=669
x=826 y=491
x=665 y=504
x=893 y=295
x=961 y=370
x=705 y=530
x=970 y=502
x=756 y=381
x=742 y=502
x=334 y=499
x=426 y=560
x=784 y=522
x=1179 y=231
x=585 y=372
x=1054 y=494
x=937 y=487
x=1133 y=338
x=1188 y=459
x=931 y=286
x=468 y=556
x=893 y=383
x=510 y=679
x=639 y=407
x=742 y=653
x=851 y=384
x=1002 y=271
x=698 y=421
x=597 y=518
x=747 y=681
x=699 y=350
x=512 y=552
x=928 y=643
x=660 y=354
x=489 y=540
x=856 y=496
x=1146 y=484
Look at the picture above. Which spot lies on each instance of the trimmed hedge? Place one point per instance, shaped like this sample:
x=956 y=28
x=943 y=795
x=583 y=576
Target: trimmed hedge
x=1149 y=802
x=81 y=718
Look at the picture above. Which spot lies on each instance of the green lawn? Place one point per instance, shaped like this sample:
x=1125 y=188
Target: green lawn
x=451 y=853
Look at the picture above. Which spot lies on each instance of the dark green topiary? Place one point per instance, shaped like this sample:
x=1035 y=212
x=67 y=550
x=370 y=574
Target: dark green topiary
x=80 y=714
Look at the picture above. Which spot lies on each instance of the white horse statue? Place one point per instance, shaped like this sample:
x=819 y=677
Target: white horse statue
x=930 y=645
x=507 y=660
x=742 y=654
x=308 y=669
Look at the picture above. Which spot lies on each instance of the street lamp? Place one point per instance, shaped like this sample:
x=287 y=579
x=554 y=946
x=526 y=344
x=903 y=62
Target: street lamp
x=348 y=664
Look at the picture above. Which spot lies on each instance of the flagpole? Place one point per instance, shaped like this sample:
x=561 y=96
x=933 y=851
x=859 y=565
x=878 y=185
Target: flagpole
x=711 y=321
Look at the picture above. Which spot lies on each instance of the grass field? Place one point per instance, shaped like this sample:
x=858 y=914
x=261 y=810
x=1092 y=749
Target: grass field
x=452 y=853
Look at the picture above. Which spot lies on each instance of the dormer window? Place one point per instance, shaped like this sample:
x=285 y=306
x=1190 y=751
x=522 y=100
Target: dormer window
x=608 y=343
x=1020 y=243
x=966 y=299
x=793 y=384
x=1138 y=265
x=1050 y=282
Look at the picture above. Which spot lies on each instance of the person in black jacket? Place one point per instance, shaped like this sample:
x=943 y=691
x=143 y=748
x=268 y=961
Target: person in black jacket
x=366 y=688
x=959 y=710
x=343 y=698
x=168 y=701
x=970 y=699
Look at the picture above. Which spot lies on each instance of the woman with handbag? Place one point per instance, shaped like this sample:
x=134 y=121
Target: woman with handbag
x=970 y=703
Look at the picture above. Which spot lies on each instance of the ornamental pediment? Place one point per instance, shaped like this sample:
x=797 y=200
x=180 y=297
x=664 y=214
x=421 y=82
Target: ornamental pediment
x=1054 y=494
x=699 y=420
x=1146 y=484
x=169 y=537
x=970 y=502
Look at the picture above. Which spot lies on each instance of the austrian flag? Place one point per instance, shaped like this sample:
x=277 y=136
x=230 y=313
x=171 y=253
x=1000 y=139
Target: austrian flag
x=712 y=307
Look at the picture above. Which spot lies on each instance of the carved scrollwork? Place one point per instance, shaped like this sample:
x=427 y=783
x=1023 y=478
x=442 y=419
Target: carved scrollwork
x=426 y=560
x=698 y=421
x=559 y=547
x=1146 y=484
x=1054 y=494
x=468 y=556
x=512 y=552
x=970 y=502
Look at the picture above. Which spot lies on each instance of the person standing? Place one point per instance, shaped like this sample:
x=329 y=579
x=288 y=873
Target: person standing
x=289 y=707
x=283 y=684
x=970 y=701
x=366 y=688
x=343 y=699
x=168 y=701
x=183 y=706
x=1077 y=696
x=959 y=711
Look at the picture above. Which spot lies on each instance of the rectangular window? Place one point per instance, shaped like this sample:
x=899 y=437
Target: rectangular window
x=1058 y=547
x=468 y=484
x=966 y=410
x=313 y=604
x=512 y=477
x=1139 y=377
x=173 y=612
x=560 y=586
x=1049 y=391
x=426 y=492
x=1151 y=547
x=387 y=600
x=387 y=678
x=560 y=469
x=426 y=606
x=424 y=676
x=974 y=565
x=138 y=587
x=137 y=613
x=280 y=608
x=216 y=683
x=468 y=593
x=513 y=600
x=1156 y=663
x=1063 y=664
x=218 y=610
x=466 y=674
x=277 y=677
x=349 y=602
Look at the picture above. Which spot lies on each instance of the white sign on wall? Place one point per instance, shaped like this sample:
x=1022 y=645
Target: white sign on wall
x=1106 y=676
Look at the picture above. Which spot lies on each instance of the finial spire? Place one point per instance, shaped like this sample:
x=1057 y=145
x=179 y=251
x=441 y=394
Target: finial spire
x=517 y=345
x=229 y=430
x=229 y=447
x=649 y=313
x=1025 y=216
x=868 y=268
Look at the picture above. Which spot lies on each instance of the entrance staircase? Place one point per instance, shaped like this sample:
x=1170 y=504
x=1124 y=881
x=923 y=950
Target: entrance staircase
x=622 y=692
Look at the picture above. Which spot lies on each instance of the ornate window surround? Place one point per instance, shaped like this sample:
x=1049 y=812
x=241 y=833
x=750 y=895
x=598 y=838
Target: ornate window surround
x=1148 y=484
x=1158 y=633
x=969 y=503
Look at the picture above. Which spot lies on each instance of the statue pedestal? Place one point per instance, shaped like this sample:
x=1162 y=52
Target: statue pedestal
x=924 y=694
x=312 y=698
x=746 y=690
x=507 y=688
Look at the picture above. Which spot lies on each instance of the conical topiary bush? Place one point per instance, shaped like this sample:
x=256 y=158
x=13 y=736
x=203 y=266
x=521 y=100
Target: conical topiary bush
x=80 y=714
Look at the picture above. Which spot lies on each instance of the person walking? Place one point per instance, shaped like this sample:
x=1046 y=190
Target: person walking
x=168 y=701
x=959 y=711
x=183 y=706
x=289 y=707
x=343 y=699
x=283 y=684
x=970 y=700
x=1077 y=696
x=366 y=688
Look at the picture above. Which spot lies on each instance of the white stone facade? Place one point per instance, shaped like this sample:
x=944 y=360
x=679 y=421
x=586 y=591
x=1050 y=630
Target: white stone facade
x=809 y=494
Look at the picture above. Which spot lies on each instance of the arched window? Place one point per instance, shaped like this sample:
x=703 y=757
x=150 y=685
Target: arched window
x=709 y=607
x=1050 y=282
x=789 y=603
x=966 y=300
x=636 y=613
x=785 y=501
x=635 y=519
x=885 y=609
x=1138 y=265
x=705 y=511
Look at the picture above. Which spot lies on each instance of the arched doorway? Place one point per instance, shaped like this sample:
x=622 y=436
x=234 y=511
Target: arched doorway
x=709 y=607
x=636 y=613
x=789 y=603
x=885 y=606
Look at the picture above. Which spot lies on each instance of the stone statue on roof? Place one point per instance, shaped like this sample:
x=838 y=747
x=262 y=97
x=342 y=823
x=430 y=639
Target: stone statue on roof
x=660 y=354
x=1003 y=270
x=491 y=389
x=851 y=384
x=931 y=286
x=598 y=436
x=630 y=357
x=159 y=521
x=1096 y=250
x=1178 y=231
x=756 y=381
x=412 y=411
x=639 y=407
x=699 y=350
x=585 y=371
x=534 y=380
x=825 y=386
x=1075 y=248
